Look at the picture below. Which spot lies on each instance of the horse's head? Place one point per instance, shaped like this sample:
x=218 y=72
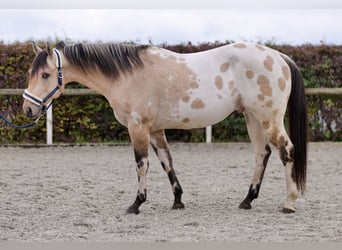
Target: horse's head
x=45 y=81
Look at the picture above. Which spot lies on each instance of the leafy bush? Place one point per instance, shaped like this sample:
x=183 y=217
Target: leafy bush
x=94 y=122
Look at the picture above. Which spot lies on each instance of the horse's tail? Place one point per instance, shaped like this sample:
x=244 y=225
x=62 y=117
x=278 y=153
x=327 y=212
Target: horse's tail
x=298 y=124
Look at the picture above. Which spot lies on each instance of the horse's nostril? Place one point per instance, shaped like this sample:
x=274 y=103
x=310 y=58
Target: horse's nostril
x=29 y=112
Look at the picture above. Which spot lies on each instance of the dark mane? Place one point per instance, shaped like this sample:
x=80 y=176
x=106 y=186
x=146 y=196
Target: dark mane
x=109 y=58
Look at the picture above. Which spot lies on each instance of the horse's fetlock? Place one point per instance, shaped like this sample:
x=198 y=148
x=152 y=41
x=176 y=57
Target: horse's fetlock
x=142 y=196
x=178 y=190
x=253 y=192
x=178 y=205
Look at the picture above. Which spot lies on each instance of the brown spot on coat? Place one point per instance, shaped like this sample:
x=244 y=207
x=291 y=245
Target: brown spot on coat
x=278 y=142
x=268 y=63
x=197 y=104
x=286 y=72
x=266 y=124
x=264 y=84
x=186 y=98
x=224 y=67
x=281 y=83
x=186 y=120
x=281 y=141
x=240 y=46
x=194 y=85
x=219 y=82
x=261 y=97
x=249 y=74
x=269 y=104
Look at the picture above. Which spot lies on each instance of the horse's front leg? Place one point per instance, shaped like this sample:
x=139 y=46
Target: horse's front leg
x=140 y=138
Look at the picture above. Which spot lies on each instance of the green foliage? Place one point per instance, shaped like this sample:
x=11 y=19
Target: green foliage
x=90 y=118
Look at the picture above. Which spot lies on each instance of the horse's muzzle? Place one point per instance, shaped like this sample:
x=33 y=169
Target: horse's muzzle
x=31 y=110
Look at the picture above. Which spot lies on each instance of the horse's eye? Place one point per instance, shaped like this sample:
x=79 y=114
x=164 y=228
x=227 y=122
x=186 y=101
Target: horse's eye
x=45 y=75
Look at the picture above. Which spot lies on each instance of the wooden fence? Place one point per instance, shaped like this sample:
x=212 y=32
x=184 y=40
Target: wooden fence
x=80 y=92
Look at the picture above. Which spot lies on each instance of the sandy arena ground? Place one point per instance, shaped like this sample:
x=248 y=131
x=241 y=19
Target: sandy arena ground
x=81 y=193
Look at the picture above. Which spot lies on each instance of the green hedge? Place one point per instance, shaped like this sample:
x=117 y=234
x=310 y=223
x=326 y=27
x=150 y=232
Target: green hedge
x=321 y=66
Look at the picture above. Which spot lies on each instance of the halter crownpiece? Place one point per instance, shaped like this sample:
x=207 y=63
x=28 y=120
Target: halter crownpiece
x=59 y=58
x=42 y=102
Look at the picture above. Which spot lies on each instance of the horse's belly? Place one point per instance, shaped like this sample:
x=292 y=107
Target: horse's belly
x=199 y=114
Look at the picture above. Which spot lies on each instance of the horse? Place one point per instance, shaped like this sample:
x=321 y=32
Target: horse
x=151 y=89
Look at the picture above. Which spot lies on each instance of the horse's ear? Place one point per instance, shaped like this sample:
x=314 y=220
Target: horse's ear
x=60 y=45
x=48 y=49
x=36 y=48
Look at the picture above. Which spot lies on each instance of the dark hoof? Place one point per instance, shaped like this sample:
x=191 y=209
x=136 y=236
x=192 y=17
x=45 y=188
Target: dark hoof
x=288 y=211
x=178 y=206
x=132 y=210
x=245 y=205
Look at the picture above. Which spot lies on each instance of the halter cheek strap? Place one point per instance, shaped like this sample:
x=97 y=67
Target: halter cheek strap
x=43 y=102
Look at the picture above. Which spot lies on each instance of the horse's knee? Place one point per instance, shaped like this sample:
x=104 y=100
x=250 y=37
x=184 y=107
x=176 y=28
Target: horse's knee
x=139 y=154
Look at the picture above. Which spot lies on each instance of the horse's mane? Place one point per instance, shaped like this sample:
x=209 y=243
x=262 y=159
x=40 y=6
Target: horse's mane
x=111 y=59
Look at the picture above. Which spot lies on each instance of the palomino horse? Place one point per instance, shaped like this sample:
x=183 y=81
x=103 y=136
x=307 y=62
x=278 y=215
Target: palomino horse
x=151 y=89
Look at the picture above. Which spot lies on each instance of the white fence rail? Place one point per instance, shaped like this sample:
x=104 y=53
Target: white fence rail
x=80 y=92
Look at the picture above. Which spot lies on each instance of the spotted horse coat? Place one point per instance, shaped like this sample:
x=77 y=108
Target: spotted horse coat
x=152 y=89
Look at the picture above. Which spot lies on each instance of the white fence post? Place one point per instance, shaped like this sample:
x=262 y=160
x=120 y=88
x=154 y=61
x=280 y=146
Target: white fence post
x=208 y=134
x=49 y=132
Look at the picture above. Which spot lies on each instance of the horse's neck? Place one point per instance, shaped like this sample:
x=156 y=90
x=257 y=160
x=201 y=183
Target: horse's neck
x=91 y=80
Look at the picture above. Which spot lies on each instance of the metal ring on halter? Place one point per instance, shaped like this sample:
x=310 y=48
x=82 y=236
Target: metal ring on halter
x=42 y=102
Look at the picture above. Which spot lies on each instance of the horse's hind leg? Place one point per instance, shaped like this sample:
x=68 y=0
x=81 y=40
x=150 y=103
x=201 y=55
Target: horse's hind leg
x=262 y=153
x=160 y=146
x=281 y=140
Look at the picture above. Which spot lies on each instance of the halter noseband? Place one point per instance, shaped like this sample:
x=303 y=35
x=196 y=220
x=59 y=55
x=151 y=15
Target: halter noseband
x=43 y=102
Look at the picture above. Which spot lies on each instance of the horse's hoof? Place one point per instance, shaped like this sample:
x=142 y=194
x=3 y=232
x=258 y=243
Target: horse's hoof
x=245 y=205
x=178 y=206
x=132 y=210
x=288 y=210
